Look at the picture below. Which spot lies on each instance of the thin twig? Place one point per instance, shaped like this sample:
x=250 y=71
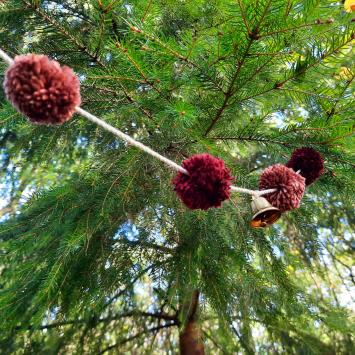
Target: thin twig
x=294 y=28
x=337 y=138
x=146 y=10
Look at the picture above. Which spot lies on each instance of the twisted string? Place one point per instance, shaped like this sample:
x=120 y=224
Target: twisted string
x=140 y=145
x=8 y=60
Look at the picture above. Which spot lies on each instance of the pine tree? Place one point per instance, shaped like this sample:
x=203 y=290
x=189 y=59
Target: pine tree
x=99 y=256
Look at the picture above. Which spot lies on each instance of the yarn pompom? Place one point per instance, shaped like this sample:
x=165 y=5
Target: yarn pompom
x=41 y=89
x=290 y=187
x=309 y=162
x=207 y=185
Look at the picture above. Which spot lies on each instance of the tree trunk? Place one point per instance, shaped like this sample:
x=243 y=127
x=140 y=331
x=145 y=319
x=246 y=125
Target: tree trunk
x=190 y=338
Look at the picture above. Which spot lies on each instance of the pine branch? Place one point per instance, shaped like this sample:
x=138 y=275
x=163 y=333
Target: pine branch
x=228 y=94
x=332 y=111
x=278 y=85
x=309 y=93
x=157 y=41
x=253 y=36
x=146 y=80
x=242 y=12
x=306 y=129
x=173 y=52
x=63 y=31
x=108 y=7
x=331 y=140
x=270 y=54
x=111 y=77
x=295 y=28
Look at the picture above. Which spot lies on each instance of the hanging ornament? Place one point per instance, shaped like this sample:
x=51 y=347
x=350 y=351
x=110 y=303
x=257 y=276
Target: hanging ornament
x=41 y=89
x=207 y=184
x=349 y=5
x=308 y=162
x=290 y=187
x=264 y=213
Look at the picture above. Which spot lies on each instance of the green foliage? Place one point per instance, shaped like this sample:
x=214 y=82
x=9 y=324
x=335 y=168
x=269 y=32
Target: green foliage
x=97 y=253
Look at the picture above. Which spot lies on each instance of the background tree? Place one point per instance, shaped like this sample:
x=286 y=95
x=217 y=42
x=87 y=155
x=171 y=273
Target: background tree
x=98 y=255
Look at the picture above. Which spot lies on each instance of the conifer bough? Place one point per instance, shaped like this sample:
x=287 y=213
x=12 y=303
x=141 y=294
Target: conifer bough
x=103 y=257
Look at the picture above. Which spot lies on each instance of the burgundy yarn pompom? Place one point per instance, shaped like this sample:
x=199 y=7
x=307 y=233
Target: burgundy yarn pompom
x=207 y=185
x=290 y=187
x=41 y=89
x=309 y=161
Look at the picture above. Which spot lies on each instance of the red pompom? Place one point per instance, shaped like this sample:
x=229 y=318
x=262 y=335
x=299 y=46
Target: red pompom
x=309 y=161
x=207 y=185
x=41 y=89
x=290 y=187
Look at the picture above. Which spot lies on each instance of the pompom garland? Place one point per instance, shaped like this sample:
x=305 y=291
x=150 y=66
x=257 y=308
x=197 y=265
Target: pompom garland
x=207 y=185
x=41 y=89
x=49 y=94
x=290 y=187
x=309 y=162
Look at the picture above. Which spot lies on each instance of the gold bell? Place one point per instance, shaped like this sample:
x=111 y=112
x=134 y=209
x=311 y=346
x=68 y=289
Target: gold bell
x=264 y=213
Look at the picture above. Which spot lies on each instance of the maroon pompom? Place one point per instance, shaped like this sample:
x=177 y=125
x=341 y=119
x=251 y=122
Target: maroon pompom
x=290 y=187
x=207 y=185
x=309 y=162
x=41 y=89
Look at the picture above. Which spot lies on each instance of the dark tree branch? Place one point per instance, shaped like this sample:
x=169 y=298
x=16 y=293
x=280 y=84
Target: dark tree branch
x=148 y=245
x=244 y=345
x=133 y=337
x=95 y=321
x=120 y=293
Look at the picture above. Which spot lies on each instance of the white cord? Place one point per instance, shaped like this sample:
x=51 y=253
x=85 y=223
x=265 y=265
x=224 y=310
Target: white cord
x=150 y=151
x=129 y=139
x=139 y=145
x=252 y=192
x=6 y=58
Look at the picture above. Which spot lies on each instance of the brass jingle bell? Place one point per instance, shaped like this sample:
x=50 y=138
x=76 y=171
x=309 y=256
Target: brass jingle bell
x=264 y=213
